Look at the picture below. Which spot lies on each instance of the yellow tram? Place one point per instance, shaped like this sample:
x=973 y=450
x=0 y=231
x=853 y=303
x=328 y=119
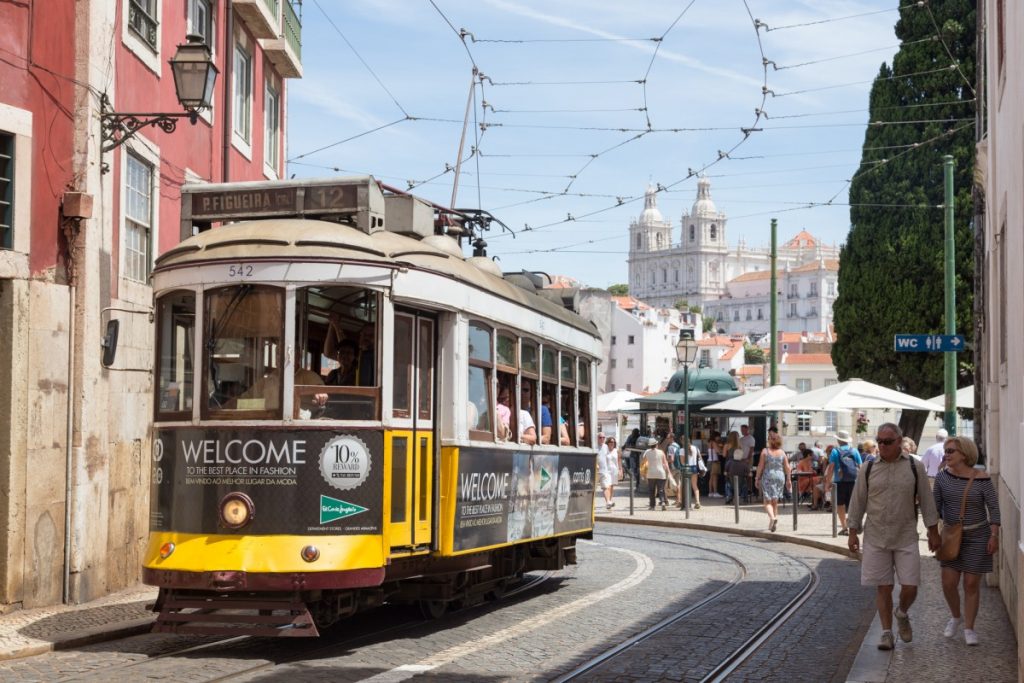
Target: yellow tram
x=349 y=412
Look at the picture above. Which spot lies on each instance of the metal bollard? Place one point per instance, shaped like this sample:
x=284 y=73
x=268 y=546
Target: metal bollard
x=736 y=496
x=685 y=474
x=631 y=492
x=835 y=512
x=796 y=496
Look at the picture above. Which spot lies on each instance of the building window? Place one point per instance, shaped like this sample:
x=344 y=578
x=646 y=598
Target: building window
x=760 y=314
x=271 y=127
x=803 y=423
x=720 y=316
x=750 y=315
x=831 y=288
x=705 y=358
x=629 y=362
x=693 y=231
x=142 y=20
x=138 y=218
x=629 y=387
x=613 y=340
x=201 y=20
x=675 y=274
x=243 y=93
x=664 y=275
x=736 y=314
x=792 y=310
x=714 y=232
x=652 y=277
x=831 y=420
x=6 y=191
x=803 y=384
x=793 y=291
x=638 y=240
x=614 y=363
x=814 y=289
x=630 y=340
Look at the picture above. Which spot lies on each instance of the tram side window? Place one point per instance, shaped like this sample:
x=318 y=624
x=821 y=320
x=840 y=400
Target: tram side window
x=567 y=424
x=244 y=326
x=481 y=367
x=549 y=416
x=586 y=435
x=508 y=420
x=176 y=320
x=337 y=330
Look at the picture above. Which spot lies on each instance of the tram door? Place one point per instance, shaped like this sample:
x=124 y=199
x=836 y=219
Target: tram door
x=412 y=449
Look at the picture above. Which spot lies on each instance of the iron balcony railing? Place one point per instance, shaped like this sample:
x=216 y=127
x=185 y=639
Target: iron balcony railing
x=292 y=29
x=274 y=7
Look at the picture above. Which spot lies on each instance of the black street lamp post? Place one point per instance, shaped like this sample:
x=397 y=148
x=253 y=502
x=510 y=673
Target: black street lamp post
x=686 y=353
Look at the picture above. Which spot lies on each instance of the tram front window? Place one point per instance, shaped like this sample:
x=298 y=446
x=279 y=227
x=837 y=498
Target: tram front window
x=244 y=326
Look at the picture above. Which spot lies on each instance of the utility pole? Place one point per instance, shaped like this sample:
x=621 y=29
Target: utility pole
x=774 y=308
x=950 y=356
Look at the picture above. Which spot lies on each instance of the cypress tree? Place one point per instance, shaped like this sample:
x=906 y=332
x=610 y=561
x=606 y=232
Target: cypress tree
x=891 y=273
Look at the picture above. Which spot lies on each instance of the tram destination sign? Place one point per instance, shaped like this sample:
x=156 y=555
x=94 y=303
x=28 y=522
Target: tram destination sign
x=265 y=200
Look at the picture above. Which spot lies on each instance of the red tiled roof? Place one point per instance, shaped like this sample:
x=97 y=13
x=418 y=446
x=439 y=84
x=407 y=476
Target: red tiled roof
x=791 y=337
x=629 y=303
x=750 y=370
x=728 y=355
x=753 y=276
x=716 y=340
x=807 y=359
x=802 y=239
x=827 y=264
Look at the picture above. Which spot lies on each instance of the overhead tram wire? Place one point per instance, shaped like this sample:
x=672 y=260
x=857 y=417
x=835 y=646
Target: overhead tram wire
x=654 y=56
x=951 y=67
x=897 y=107
x=784 y=67
x=461 y=33
x=830 y=20
x=746 y=132
x=562 y=40
x=496 y=84
x=349 y=139
x=360 y=57
x=938 y=34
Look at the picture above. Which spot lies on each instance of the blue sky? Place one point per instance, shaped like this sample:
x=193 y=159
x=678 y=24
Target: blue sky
x=563 y=145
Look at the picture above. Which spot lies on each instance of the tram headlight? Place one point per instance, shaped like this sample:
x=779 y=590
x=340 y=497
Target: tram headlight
x=166 y=549
x=236 y=510
x=311 y=553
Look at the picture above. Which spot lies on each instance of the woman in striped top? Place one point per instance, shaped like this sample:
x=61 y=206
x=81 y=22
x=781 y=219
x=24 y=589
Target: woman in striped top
x=980 y=539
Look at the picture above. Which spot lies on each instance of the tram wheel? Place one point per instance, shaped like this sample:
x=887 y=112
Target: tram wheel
x=433 y=609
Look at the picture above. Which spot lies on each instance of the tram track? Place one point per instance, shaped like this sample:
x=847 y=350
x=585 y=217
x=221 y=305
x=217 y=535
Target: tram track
x=305 y=649
x=738 y=656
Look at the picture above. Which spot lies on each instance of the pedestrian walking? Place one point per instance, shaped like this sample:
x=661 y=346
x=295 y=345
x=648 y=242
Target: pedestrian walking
x=963 y=495
x=693 y=467
x=886 y=496
x=843 y=464
x=737 y=465
x=609 y=464
x=716 y=454
x=933 y=456
x=656 y=465
x=772 y=477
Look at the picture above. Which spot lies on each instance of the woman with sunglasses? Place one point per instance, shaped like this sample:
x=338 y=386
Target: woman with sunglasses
x=980 y=540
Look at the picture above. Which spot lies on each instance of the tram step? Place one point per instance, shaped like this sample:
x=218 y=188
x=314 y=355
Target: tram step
x=220 y=615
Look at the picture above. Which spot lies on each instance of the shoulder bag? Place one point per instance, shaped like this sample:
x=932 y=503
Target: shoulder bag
x=953 y=533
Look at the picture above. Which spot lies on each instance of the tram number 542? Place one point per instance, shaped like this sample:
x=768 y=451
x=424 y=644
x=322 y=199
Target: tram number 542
x=240 y=270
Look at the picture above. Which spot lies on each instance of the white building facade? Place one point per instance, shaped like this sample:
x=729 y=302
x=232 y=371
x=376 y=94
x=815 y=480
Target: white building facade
x=701 y=269
x=642 y=354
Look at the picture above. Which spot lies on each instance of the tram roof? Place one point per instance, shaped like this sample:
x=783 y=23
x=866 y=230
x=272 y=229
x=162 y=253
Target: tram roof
x=295 y=239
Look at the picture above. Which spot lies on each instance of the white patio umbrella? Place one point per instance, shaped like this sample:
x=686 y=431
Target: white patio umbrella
x=964 y=398
x=754 y=401
x=614 y=401
x=853 y=394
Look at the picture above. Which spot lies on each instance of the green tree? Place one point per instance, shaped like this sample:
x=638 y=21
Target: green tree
x=709 y=324
x=891 y=273
x=619 y=290
x=695 y=309
x=681 y=304
x=754 y=355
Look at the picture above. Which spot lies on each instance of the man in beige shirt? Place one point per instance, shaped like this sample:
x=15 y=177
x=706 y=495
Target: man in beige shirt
x=888 y=496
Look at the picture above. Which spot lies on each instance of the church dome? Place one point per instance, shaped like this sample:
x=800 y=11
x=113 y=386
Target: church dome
x=650 y=213
x=703 y=206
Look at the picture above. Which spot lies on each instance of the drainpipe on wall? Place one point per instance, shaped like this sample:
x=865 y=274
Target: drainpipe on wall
x=66 y=596
x=229 y=43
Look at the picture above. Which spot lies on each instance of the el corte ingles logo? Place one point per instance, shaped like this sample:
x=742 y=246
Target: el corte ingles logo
x=332 y=509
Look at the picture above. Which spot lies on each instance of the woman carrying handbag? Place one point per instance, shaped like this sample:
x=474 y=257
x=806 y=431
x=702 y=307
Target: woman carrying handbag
x=965 y=498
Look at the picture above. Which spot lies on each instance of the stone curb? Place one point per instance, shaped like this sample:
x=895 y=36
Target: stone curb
x=796 y=540
x=87 y=636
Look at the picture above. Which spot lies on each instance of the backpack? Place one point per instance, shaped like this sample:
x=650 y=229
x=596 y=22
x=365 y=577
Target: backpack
x=847 y=466
x=673 y=456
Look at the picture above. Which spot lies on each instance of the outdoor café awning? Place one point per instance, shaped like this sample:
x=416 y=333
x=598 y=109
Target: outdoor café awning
x=707 y=386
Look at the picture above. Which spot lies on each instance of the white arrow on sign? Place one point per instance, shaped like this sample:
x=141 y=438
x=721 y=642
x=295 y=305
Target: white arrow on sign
x=956 y=341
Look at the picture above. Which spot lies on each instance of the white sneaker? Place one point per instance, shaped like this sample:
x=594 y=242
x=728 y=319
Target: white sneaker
x=951 y=628
x=970 y=637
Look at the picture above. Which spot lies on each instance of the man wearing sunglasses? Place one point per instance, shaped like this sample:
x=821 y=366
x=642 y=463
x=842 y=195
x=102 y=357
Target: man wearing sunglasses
x=888 y=493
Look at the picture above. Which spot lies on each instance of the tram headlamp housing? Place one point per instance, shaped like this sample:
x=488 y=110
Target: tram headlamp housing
x=236 y=510
x=311 y=553
x=166 y=549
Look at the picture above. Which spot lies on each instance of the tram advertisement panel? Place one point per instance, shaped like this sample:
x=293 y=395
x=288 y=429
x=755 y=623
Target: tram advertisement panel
x=300 y=482
x=503 y=497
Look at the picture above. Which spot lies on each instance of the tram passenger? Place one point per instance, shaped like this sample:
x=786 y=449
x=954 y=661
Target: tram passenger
x=345 y=374
x=527 y=427
x=366 y=370
x=546 y=422
x=266 y=390
x=504 y=414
